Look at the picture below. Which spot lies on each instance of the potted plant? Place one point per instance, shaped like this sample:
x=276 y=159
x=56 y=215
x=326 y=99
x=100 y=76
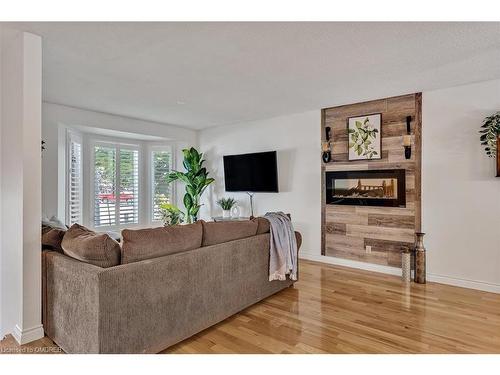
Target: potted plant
x=490 y=137
x=490 y=130
x=226 y=204
x=171 y=215
x=196 y=180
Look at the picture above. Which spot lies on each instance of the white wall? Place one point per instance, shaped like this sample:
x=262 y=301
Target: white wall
x=21 y=72
x=296 y=138
x=461 y=195
x=2 y=325
x=55 y=119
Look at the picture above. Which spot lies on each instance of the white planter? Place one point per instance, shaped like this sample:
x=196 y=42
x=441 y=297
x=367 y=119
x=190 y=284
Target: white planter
x=226 y=214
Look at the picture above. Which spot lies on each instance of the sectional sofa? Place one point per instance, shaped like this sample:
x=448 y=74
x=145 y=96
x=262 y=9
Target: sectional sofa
x=170 y=284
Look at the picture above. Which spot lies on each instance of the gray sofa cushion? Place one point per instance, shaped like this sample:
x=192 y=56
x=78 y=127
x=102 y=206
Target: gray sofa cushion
x=225 y=231
x=52 y=238
x=150 y=243
x=90 y=247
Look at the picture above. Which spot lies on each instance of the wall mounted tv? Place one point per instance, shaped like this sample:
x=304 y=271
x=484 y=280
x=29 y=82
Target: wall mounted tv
x=255 y=173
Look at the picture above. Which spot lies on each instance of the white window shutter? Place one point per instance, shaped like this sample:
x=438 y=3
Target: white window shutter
x=161 y=164
x=116 y=185
x=74 y=206
x=104 y=186
x=129 y=186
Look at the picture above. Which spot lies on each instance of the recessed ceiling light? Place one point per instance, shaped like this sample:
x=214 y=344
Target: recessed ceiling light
x=180 y=102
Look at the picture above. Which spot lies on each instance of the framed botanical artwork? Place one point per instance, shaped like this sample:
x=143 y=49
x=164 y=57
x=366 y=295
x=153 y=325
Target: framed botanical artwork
x=365 y=137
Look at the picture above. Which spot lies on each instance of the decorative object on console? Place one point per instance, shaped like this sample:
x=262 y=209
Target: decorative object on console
x=385 y=187
x=226 y=204
x=235 y=211
x=196 y=180
x=326 y=146
x=490 y=135
x=419 y=258
x=406 y=265
x=171 y=215
x=364 y=137
x=232 y=218
x=407 y=138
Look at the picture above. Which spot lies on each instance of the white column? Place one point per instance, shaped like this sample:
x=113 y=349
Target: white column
x=20 y=272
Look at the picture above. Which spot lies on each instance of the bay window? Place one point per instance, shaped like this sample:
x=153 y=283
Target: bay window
x=123 y=183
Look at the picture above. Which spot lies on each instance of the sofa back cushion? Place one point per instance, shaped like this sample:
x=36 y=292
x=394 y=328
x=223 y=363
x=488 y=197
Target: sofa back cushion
x=150 y=243
x=225 y=231
x=90 y=247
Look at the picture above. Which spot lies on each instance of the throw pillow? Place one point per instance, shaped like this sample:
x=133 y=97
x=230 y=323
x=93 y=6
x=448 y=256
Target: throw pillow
x=52 y=238
x=88 y=246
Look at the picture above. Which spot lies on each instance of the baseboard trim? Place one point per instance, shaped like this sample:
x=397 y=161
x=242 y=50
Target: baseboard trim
x=351 y=263
x=28 y=335
x=463 y=283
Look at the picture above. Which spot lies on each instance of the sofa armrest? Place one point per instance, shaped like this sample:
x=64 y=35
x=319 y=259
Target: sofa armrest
x=71 y=302
x=298 y=237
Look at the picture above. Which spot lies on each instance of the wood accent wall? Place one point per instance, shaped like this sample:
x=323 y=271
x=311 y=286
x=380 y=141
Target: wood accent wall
x=347 y=230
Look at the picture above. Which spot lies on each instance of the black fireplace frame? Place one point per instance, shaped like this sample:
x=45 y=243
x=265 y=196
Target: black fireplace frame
x=399 y=174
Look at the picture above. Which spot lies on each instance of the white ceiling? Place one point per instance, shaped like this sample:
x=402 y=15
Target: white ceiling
x=199 y=75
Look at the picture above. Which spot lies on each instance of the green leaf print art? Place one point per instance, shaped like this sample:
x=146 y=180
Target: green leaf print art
x=364 y=137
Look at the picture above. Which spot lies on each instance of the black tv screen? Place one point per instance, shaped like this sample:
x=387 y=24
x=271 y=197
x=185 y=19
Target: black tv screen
x=257 y=172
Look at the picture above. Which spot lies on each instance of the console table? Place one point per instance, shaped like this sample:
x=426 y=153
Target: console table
x=220 y=218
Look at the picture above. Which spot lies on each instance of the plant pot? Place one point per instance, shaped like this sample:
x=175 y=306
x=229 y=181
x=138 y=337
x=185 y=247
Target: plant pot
x=226 y=214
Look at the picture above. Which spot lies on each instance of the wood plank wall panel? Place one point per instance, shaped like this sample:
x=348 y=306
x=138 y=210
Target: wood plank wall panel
x=347 y=230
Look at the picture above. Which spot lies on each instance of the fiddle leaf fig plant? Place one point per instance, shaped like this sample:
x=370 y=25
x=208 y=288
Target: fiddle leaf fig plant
x=196 y=180
x=490 y=130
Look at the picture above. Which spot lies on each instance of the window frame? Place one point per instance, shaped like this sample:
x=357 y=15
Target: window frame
x=73 y=136
x=155 y=147
x=145 y=147
x=118 y=144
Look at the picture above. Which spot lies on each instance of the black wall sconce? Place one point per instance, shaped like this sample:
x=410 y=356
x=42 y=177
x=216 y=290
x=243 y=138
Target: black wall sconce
x=407 y=138
x=326 y=147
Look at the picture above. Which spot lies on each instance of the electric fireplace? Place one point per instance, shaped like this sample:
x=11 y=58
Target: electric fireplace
x=385 y=187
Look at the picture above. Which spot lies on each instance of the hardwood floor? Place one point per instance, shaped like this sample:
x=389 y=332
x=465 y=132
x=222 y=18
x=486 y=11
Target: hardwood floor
x=335 y=309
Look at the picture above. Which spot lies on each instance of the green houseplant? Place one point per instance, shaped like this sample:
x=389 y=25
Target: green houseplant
x=226 y=204
x=196 y=180
x=171 y=215
x=490 y=130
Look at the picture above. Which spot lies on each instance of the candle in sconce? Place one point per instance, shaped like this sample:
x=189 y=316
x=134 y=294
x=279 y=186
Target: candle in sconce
x=406 y=140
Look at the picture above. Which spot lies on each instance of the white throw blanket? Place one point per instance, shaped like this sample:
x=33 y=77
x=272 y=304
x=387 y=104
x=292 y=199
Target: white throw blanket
x=283 y=249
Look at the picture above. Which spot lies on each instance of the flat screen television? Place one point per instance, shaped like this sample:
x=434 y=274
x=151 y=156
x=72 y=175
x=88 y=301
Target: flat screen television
x=256 y=172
